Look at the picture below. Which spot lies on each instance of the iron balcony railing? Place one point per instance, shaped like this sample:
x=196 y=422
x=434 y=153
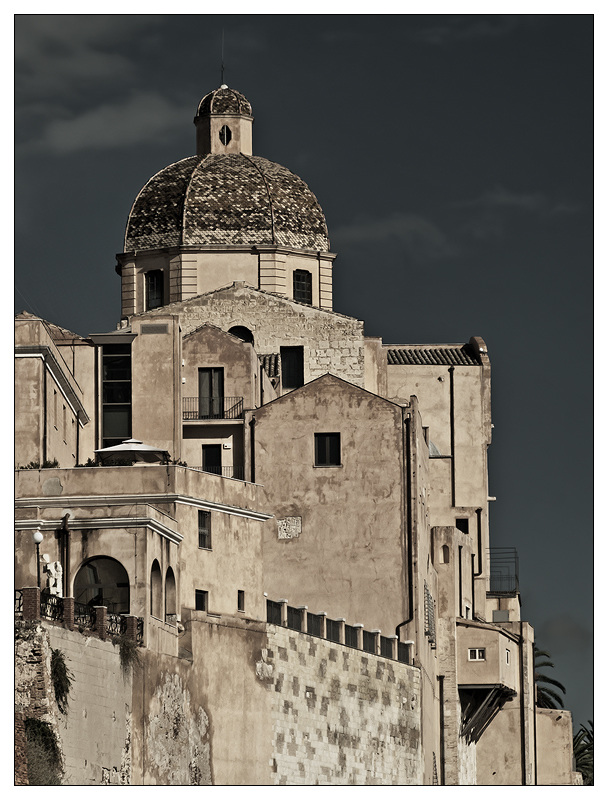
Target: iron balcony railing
x=140 y=631
x=116 y=624
x=212 y=407
x=85 y=617
x=51 y=607
x=504 y=570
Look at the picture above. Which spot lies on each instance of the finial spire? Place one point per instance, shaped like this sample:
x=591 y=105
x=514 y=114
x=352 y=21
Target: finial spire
x=222 y=76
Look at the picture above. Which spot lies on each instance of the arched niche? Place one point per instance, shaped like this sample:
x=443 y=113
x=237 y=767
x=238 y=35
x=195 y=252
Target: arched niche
x=170 y=597
x=242 y=333
x=156 y=590
x=445 y=554
x=103 y=581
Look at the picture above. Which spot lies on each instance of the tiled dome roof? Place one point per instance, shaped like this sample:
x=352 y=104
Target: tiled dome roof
x=224 y=101
x=226 y=199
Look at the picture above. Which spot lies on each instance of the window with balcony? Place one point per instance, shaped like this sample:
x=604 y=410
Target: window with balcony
x=204 y=530
x=211 y=392
x=327 y=450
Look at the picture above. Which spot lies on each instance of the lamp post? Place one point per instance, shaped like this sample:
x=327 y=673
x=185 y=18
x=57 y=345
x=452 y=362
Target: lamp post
x=37 y=537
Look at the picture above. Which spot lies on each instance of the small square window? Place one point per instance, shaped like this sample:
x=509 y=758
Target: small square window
x=204 y=530
x=477 y=654
x=241 y=600
x=201 y=600
x=462 y=524
x=327 y=450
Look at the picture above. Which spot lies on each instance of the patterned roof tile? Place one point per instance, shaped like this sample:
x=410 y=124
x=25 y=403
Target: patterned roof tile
x=227 y=200
x=442 y=355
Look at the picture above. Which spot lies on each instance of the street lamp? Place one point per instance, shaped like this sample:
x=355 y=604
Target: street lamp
x=37 y=537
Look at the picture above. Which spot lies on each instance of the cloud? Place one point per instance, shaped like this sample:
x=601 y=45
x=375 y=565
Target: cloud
x=467 y=27
x=534 y=202
x=489 y=214
x=421 y=238
x=143 y=117
x=55 y=52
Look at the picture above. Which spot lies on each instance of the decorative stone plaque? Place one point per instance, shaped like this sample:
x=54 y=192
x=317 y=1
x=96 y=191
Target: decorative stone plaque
x=289 y=528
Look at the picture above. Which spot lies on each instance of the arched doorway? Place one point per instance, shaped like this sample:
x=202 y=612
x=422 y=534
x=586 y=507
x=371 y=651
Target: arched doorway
x=103 y=581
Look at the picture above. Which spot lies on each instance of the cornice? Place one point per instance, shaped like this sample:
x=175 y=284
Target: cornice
x=85 y=501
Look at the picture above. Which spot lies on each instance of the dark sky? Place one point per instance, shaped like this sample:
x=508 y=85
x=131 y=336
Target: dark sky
x=453 y=157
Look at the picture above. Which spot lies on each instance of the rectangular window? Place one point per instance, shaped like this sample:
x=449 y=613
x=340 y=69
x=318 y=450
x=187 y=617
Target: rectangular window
x=201 y=600
x=241 y=600
x=211 y=393
x=327 y=450
x=462 y=524
x=116 y=393
x=477 y=654
x=65 y=424
x=302 y=286
x=204 y=529
x=154 y=289
x=508 y=656
x=292 y=367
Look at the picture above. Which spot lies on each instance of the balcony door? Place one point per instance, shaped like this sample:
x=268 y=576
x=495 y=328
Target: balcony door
x=211 y=392
x=212 y=458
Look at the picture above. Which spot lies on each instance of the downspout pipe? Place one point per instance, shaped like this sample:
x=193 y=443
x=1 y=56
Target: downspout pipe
x=479 y=551
x=441 y=678
x=44 y=424
x=522 y=709
x=252 y=447
x=407 y=449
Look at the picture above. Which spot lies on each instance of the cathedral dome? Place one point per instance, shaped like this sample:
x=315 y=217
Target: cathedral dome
x=225 y=199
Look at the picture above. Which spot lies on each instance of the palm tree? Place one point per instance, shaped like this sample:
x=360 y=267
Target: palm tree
x=583 y=753
x=546 y=697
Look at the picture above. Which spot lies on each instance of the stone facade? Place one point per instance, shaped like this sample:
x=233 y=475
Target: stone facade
x=341 y=716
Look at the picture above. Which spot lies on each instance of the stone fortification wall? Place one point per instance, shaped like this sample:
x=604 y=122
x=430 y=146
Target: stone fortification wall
x=341 y=716
x=332 y=342
x=96 y=731
x=317 y=711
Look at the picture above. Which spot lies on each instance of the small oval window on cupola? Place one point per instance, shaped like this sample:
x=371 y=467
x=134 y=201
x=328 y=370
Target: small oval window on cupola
x=225 y=134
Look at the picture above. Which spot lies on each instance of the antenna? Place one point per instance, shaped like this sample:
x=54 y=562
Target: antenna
x=222 y=77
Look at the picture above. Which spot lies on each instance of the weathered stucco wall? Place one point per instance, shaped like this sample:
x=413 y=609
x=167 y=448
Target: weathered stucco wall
x=554 y=748
x=345 y=554
x=341 y=716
